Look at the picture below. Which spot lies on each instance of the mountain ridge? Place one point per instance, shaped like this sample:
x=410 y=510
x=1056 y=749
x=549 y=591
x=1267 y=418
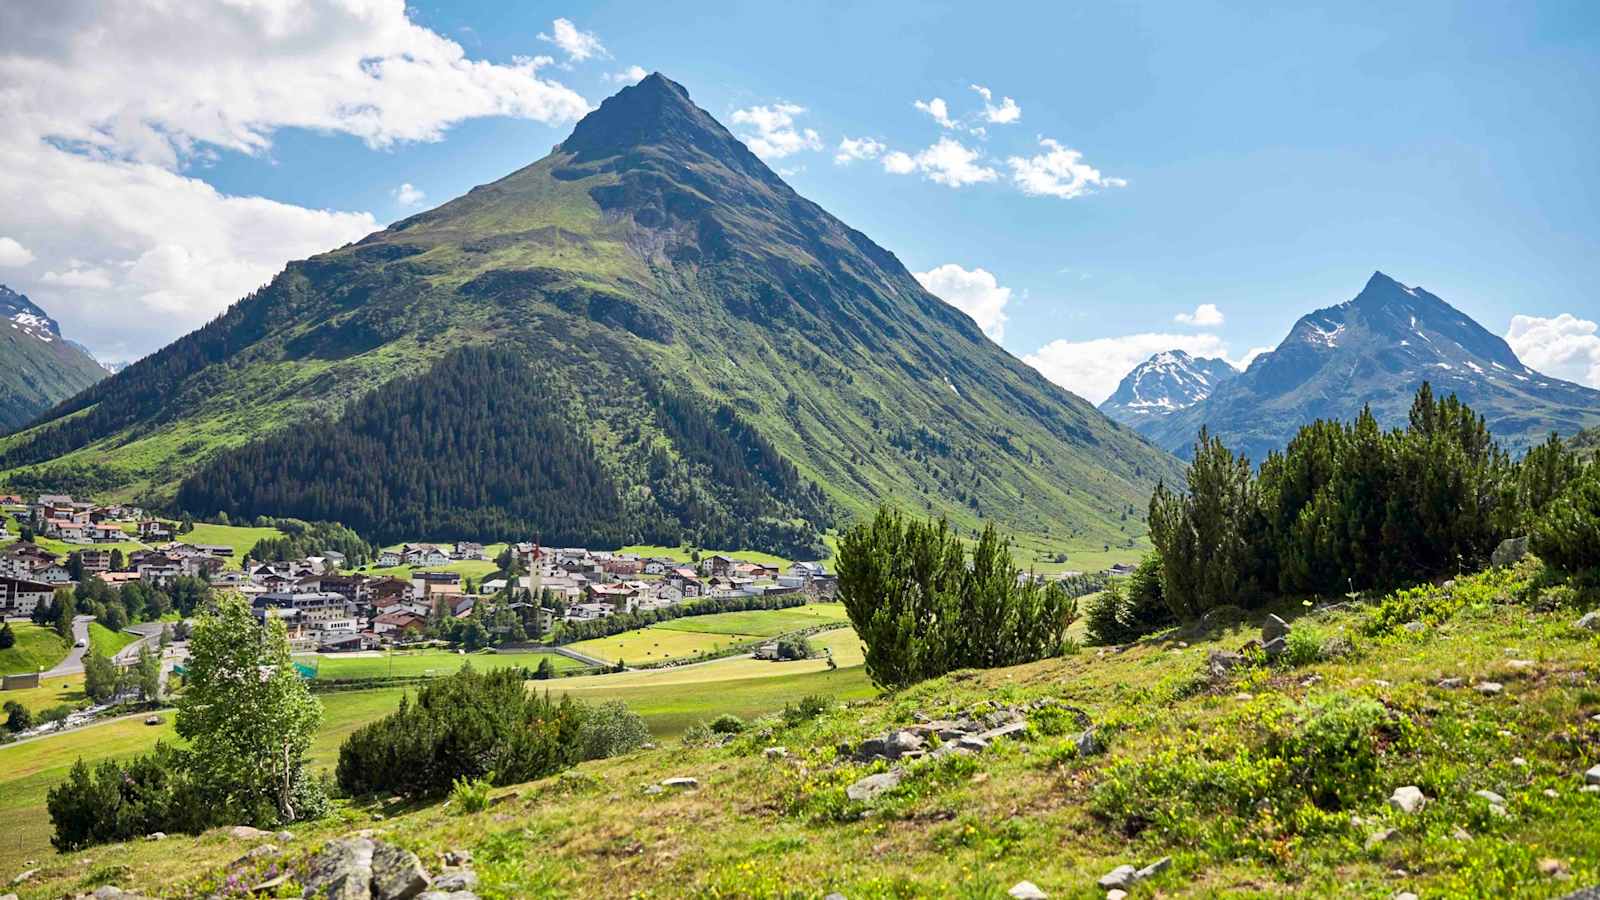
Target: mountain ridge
x=1165 y=383
x=649 y=255
x=38 y=367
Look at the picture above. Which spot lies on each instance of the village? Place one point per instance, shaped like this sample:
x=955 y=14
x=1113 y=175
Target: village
x=328 y=606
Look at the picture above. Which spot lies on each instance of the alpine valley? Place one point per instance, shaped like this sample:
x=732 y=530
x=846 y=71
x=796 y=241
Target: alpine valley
x=1375 y=350
x=38 y=367
x=646 y=336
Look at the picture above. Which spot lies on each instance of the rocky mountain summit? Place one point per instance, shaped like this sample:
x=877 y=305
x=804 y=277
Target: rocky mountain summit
x=38 y=367
x=1164 y=384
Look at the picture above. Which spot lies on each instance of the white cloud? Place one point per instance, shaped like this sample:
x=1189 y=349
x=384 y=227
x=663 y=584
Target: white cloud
x=938 y=110
x=630 y=75
x=1093 y=368
x=852 y=149
x=104 y=105
x=13 y=255
x=1008 y=112
x=775 y=133
x=577 y=44
x=1250 y=356
x=1206 y=315
x=977 y=293
x=947 y=162
x=407 y=195
x=1566 y=346
x=1058 y=172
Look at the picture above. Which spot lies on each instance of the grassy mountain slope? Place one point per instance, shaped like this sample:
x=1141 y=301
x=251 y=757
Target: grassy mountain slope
x=1376 y=350
x=650 y=251
x=1270 y=781
x=38 y=368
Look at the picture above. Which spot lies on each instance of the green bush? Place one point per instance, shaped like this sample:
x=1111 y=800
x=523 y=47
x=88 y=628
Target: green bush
x=698 y=735
x=18 y=718
x=806 y=708
x=1567 y=535
x=1103 y=617
x=611 y=729
x=727 y=723
x=118 y=801
x=470 y=795
x=464 y=725
x=924 y=606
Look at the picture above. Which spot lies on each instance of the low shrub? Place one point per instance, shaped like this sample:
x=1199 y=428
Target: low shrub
x=118 y=801
x=727 y=723
x=611 y=729
x=805 y=709
x=470 y=795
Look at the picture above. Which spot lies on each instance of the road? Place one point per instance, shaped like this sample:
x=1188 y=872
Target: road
x=73 y=664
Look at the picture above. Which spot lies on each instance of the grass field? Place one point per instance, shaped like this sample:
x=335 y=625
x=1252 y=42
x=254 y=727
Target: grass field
x=654 y=644
x=426 y=662
x=105 y=641
x=36 y=648
x=67 y=689
x=684 y=554
x=240 y=537
x=761 y=623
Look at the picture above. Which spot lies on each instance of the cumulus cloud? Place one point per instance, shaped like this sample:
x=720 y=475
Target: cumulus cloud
x=1565 y=346
x=407 y=195
x=976 y=292
x=579 y=45
x=947 y=162
x=13 y=255
x=1250 y=356
x=630 y=75
x=775 y=135
x=1058 y=172
x=107 y=104
x=1206 y=315
x=937 y=109
x=852 y=149
x=1093 y=368
x=1006 y=113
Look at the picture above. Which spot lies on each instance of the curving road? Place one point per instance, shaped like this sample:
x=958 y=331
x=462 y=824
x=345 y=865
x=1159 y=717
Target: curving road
x=73 y=664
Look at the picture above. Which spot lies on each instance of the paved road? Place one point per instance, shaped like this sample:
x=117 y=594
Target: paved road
x=73 y=664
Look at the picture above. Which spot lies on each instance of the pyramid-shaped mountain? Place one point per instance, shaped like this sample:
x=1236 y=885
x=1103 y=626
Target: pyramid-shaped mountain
x=646 y=336
x=38 y=367
x=1164 y=384
x=1376 y=350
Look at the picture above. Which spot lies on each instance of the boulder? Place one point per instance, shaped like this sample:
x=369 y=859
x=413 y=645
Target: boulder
x=1379 y=837
x=1027 y=890
x=1589 y=621
x=899 y=743
x=396 y=874
x=1116 y=894
x=1408 y=799
x=1275 y=647
x=342 y=870
x=1592 y=776
x=1155 y=868
x=1011 y=729
x=1120 y=878
x=682 y=783
x=1089 y=743
x=872 y=787
x=1221 y=663
x=441 y=895
x=1493 y=798
x=775 y=752
x=1273 y=629
x=156 y=836
x=246 y=833
x=1489 y=688
x=971 y=742
x=1449 y=683
x=1509 y=552
x=459 y=880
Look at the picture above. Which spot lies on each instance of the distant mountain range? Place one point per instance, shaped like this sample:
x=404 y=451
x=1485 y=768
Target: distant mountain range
x=1164 y=384
x=682 y=348
x=38 y=367
x=1376 y=350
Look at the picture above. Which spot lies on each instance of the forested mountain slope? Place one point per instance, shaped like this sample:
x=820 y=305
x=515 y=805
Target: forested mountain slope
x=38 y=368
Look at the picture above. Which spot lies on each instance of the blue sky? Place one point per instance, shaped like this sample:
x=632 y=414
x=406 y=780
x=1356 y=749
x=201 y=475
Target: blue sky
x=1260 y=160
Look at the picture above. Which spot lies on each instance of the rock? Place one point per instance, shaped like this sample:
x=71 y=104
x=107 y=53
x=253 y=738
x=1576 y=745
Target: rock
x=156 y=836
x=1517 y=665
x=971 y=742
x=1519 y=762
x=342 y=870
x=1275 y=647
x=871 y=787
x=1552 y=868
x=441 y=895
x=1089 y=743
x=8 y=897
x=271 y=883
x=460 y=880
x=457 y=857
x=1451 y=683
x=1489 y=688
x=1119 y=878
x=899 y=743
x=1154 y=869
x=650 y=790
x=24 y=876
x=1027 y=890
x=396 y=874
x=285 y=836
x=682 y=783
x=1221 y=662
x=1404 y=895
x=1273 y=629
x=1493 y=798
x=1012 y=729
x=1590 y=789
x=1590 y=621
x=835 y=896
x=1379 y=837
x=1550 y=792
x=1510 y=551
x=1449 y=584
x=1408 y=799
x=1414 y=627
x=775 y=752
x=1592 y=776
x=259 y=851
x=246 y=833
x=1461 y=834
x=1116 y=894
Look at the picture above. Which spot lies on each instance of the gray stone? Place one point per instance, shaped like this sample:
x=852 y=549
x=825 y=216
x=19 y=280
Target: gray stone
x=1493 y=798
x=1489 y=688
x=106 y=891
x=1273 y=629
x=972 y=742
x=1461 y=834
x=24 y=876
x=1089 y=743
x=835 y=896
x=1275 y=647
x=246 y=833
x=1510 y=551
x=1154 y=869
x=1592 y=776
x=1408 y=799
x=342 y=870
x=1221 y=662
x=1012 y=729
x=1379 y=837
x=1116 y=894
x=1451 y=683
x=1027 y=890
x=156 y=836
x=899 y=743
x=458 y=880
x=1119 y=878
x=872 y=787
x=457 y=857
x=682 y=783
x=8 y=897
x=441 y=895
x=775 y=752
x=1589 y=621
x=1404 y=895
x=396 y=874
x=285 y=836
x=1414 y=627
x=651 y=790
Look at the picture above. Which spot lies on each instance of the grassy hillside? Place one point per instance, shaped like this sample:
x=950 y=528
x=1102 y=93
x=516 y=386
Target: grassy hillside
x=36 y=648
x=107 y=642
x=1272 y=780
